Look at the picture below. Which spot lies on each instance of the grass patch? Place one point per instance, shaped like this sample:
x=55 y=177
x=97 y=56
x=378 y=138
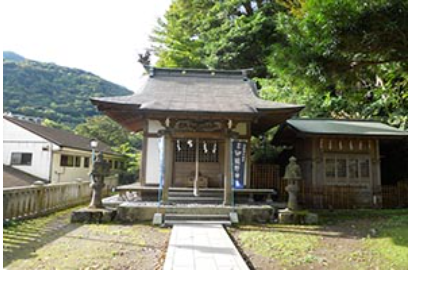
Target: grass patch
x=389 y=248
x=359 y=239
x=288 y=248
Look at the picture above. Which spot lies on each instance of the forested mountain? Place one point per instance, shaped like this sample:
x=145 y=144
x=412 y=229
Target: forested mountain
x=10 y=55
x=47 y=90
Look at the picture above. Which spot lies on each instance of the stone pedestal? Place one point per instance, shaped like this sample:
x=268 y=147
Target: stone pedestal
x=287 y=216
x=93 y=215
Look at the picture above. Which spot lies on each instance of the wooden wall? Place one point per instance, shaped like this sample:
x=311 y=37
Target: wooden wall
x=311 y=153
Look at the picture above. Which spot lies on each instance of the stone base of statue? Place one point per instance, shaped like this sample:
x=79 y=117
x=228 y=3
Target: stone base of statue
x=297 y=217
x=93 y=215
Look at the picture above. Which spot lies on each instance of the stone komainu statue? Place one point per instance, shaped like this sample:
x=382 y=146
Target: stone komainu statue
x=293 y=175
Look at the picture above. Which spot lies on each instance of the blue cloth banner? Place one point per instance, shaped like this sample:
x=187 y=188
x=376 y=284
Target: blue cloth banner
x=238 y=163
x=162 y=166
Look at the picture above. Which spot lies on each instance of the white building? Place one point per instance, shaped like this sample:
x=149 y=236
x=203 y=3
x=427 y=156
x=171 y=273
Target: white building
x=52 y=155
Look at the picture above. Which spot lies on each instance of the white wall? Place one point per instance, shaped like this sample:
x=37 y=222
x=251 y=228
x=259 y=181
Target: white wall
x=154 y=126
x=65 y=174
x=17 y=139
x=153 y=161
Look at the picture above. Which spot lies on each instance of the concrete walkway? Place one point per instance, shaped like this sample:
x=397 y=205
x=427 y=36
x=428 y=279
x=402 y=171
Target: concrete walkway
x=202 y=247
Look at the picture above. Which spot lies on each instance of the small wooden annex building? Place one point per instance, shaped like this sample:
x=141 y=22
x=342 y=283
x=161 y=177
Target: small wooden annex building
x=339 y=153
x=198 y=113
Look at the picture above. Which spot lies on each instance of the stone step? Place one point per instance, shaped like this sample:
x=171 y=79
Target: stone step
x=195 y=200
x=190 y=194
x=176 y=222
x=180 y=216
x=172 y=219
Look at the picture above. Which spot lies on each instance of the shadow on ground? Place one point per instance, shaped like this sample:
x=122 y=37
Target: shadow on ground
x=22 y=239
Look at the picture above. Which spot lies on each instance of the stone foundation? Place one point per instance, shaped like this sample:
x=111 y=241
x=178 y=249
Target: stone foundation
x=287 y=216
x=144 y=212
x=91 y=215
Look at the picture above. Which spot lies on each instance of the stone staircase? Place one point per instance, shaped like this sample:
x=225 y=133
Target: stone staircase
x=207 y=197
x=187 y=197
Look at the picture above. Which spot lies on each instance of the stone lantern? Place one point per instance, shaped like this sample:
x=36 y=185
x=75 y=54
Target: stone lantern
x=95 y=212
x=100 y=169
x=293 y=176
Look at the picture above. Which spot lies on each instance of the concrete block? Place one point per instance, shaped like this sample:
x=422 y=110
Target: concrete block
x=158 y=219
x=234 y=218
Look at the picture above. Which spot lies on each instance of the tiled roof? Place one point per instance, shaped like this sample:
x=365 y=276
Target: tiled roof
x=60 y=137
x=192 y=90
x=14 y=177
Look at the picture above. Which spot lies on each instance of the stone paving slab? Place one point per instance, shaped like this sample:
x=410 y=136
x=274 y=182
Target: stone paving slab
x=202 y=247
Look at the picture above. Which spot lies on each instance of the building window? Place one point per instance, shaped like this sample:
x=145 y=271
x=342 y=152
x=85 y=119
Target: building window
x=78 y=161
x=342 y=168
x=330 y=168
x=353 y=168
x=18 y=158
x=67 y=160
x=364 y=168
x=86 y=162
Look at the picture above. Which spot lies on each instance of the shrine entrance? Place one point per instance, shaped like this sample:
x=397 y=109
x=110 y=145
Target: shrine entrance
x=200 y=161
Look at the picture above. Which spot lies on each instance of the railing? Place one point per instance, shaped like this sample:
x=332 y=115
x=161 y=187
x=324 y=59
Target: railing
x=31 y=201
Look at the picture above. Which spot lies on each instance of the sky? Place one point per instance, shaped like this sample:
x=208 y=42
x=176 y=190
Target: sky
x=102 y=37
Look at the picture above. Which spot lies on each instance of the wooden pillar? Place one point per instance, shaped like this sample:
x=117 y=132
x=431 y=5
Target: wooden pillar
x=143 y=163
x=228 y=196
x=376 y=169
x=168 y=153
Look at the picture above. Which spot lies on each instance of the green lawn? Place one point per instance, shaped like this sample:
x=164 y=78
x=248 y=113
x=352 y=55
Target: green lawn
x=360 y=239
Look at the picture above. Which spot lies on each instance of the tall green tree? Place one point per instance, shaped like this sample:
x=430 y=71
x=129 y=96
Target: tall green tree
x=342 y=59
x=352 y=53
x=229 y=34
x=108 y=131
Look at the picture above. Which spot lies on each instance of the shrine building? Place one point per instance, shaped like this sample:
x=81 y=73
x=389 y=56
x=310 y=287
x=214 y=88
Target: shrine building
x=196 y=125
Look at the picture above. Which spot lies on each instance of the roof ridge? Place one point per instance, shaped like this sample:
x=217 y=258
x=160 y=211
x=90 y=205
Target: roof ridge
x=332 y=119
x=35 y=128
x=197 y=72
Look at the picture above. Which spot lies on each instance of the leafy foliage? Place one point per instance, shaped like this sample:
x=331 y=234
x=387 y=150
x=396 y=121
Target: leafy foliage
x=353 y=53
x=133 y=157
x=230 y=34
x=108 y=131
x=53 y=92
x=342 y=59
